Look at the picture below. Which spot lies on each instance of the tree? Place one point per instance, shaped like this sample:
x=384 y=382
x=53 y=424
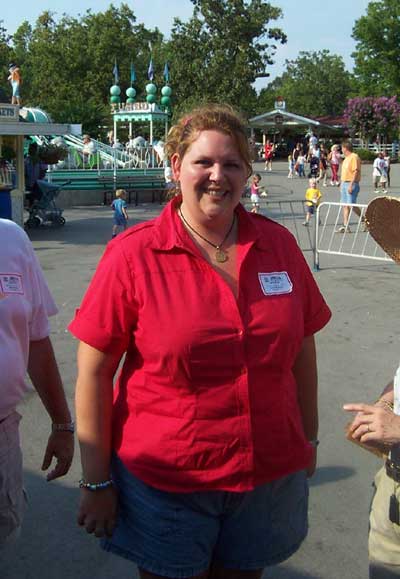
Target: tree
x=221 y=51
x=5 y=58
x=377 y=36
x=369 y=117
x=315 y=84
x=67 y=64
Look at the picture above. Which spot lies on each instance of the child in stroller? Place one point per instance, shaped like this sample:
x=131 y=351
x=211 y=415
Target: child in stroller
x=44 y=208
x=314 y=168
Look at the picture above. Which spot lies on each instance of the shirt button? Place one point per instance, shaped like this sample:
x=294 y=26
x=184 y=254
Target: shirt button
x=240 y=333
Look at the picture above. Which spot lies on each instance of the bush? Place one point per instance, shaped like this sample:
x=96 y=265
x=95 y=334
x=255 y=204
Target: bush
x=51 y=154
x=366 y=154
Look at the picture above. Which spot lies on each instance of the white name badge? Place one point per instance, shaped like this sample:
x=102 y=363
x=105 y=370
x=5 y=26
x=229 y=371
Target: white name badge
x=11 y=283
x=275 y=283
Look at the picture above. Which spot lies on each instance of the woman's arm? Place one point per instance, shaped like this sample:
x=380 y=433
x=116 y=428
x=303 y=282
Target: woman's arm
x=94 y=401
x=43 y=371
x=305 y=373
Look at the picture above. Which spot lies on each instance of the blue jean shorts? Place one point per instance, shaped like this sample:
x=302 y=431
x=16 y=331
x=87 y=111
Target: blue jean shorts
x=180 y=534
x=119 y=220
x=345 y=196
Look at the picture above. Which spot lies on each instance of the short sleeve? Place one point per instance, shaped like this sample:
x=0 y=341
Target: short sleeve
x=108 y=313
x=315 y=310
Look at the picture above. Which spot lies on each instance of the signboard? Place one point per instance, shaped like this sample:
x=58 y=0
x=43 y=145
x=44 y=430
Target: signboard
x=9 y=113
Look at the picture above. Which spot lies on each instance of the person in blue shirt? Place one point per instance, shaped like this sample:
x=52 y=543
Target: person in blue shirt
x=120 y=213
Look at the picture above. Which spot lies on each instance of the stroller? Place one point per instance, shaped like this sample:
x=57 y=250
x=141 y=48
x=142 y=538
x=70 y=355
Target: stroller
x=44 y=209
x=314 y=168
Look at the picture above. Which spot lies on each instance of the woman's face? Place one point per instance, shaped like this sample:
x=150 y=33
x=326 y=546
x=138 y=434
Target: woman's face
x=212 y=176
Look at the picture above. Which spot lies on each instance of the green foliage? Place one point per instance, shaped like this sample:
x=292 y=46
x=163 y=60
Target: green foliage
x=366 y=154
x=377 y=36
x=5 y=57
x=67 y=63
x=51 y=154
x=221 y=51
x=315 y=84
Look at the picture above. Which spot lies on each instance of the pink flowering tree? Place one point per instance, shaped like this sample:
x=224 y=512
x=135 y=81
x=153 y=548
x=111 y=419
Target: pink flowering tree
x=372 y=116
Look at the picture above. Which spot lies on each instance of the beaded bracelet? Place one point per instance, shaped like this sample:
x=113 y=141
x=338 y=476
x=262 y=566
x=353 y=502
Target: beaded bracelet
x=67 y=427
x=95 y=486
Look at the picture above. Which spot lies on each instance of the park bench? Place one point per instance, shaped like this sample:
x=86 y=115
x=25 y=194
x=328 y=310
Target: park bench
x=134 y=185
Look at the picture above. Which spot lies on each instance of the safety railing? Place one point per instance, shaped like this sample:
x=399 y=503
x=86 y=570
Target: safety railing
x=333 y=238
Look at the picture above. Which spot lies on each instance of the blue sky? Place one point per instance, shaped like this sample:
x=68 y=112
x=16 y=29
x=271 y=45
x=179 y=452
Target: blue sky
x=308 y=24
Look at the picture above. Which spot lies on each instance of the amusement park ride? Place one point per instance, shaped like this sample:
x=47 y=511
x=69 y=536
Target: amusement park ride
x=139 y=165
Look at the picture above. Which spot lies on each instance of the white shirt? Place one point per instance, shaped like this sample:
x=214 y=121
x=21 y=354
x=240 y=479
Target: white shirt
x=25 y=304
x=379 y=167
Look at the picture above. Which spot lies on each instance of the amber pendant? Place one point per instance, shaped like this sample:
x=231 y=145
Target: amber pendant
x=221 y=256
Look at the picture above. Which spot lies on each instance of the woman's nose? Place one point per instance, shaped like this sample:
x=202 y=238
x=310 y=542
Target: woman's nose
x=216 y=173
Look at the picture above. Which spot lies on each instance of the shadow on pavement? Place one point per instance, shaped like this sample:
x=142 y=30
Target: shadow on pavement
x=287 y=573
x=52 y=545
x=328 y=474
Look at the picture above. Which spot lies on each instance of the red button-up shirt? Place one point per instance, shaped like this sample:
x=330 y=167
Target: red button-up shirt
x=206 y=398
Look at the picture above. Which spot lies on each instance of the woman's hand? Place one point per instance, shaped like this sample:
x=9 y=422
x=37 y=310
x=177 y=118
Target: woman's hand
x=374 y=424
x=98 y=511
x=312 y=467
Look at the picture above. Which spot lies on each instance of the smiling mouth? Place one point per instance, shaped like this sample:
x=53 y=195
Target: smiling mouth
x=216 y=193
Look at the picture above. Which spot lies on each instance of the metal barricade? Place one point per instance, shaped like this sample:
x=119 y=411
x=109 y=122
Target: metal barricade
x=290 y=214
x=332 y=238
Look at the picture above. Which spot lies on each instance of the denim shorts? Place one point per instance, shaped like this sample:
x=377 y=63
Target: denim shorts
x=180 y=534
x=119 y=220
x=345 y=196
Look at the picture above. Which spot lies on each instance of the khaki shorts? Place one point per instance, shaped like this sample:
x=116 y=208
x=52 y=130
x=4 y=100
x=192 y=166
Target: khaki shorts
x=11 y=486
x=384 y=536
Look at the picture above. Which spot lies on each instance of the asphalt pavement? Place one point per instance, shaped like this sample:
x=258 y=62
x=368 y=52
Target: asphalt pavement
x=357 y=354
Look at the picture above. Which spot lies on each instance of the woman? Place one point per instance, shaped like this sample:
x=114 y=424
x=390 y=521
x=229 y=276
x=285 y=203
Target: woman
x=269 y=149
x=214 y=418
x=334 y=159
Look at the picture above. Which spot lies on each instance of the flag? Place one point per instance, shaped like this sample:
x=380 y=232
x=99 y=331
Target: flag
x=166 y=72
x=116 y=73
x=150 y=71
x=133 y=74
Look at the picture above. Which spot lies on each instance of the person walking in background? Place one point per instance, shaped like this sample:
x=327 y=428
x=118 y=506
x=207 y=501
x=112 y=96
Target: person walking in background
x=190 y=436
x=323 y=168
x=25 y=306
x=269 y=149
x=15 y=81
x=119 y=206
x=290 y=167
x=387 y=160
x=379 y=174
x=334 y=159
x=313 y=198
x=301 y=163
x=255 y=190
x=350 y=184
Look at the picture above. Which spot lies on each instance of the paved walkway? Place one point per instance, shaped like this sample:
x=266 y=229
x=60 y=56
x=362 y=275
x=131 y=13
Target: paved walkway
x=358 y=353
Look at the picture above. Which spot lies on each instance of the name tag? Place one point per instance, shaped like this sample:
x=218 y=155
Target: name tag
x=11 y=283
x=275 y=283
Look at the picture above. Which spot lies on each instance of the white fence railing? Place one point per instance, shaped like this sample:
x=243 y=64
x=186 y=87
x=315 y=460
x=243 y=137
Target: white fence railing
x=325 y=233
x=332 y=238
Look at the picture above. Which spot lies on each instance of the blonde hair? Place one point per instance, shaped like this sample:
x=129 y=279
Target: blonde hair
x=212 y=117
x=120 y=193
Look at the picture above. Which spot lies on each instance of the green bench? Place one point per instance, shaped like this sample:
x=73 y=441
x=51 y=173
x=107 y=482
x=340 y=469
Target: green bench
x=134 y=185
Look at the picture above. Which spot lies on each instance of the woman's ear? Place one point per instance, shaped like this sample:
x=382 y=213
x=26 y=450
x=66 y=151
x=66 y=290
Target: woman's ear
x=176 y=166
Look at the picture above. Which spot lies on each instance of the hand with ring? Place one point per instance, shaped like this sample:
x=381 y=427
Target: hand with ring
x=374 y=424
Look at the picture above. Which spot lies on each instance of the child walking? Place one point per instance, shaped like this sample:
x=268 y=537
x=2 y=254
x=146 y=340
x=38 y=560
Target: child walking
x=313 y=196
x=255 y=190
x=120 y=214
x=290 y=166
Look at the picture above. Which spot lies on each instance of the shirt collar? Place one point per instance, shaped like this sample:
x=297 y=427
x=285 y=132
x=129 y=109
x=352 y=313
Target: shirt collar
x=170 y=232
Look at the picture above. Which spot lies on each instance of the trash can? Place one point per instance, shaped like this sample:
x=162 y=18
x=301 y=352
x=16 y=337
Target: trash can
x=5 y=204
